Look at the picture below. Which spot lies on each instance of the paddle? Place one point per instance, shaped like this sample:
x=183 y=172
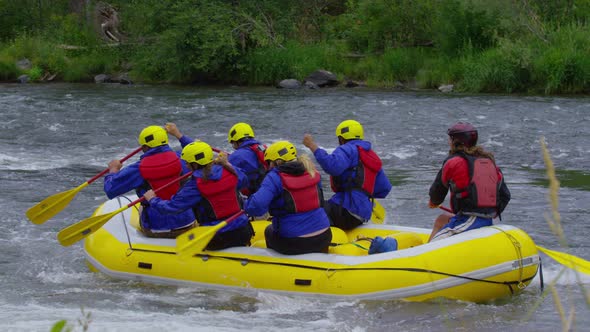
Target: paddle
x=378 y=215
x=53 y=204
x=82 y=229
x=195 y=240
x=571 y=261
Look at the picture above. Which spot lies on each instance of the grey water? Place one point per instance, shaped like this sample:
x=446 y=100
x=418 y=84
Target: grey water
x=55 y=137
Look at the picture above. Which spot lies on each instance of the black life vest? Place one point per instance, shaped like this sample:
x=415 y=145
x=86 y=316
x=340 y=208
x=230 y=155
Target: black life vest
x=253 y=186
x=301 y=193
x=158 y=170
x=480 y=197
x=220 y=198
x=366 y=174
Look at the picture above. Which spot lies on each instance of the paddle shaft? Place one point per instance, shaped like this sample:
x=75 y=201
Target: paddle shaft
x=569 y=260
x=53 y=204
x=444 y=208
x=99 y=175
x=142 y=198
x=196 y=240
x=82 y=229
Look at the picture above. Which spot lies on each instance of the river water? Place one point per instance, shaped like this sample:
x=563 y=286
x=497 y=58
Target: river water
x=56 y=137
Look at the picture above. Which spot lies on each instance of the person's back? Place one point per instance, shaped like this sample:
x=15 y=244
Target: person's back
x=248 y=155
x=158 y=166
x=478 y=190
x=212 y=193
x=356 y=176
x=291 y=192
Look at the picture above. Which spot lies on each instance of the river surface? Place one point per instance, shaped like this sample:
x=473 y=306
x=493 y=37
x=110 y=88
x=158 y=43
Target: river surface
x=56 y=137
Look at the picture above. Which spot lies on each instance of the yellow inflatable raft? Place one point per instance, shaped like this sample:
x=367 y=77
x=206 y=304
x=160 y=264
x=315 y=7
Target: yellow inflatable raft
x=479 y=265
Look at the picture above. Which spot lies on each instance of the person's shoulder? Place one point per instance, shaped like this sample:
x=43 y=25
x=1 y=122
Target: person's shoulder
x=455 y=160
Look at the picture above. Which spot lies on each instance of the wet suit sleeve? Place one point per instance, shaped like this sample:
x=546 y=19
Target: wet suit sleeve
x=127 y=179
x=184 y=199
x=438 y=191
x=185 y=140
x=382 y=185
x=504 y=194
x=259 y=203
x=337 y=162
x=242 y=178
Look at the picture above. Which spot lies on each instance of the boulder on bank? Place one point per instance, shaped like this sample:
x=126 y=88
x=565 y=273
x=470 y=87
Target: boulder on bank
x=23 y=79
x=322 y=78
x=354 y=84
x=122 y=78
x=102 y=78
x=446 y=88
x=289 y=84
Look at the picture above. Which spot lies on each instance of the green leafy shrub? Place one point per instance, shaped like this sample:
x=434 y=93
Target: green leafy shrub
x=563 y=66
x=8 y=69
x=460 y=26
x=439 y=70
x=269 y=65
x=376 y=25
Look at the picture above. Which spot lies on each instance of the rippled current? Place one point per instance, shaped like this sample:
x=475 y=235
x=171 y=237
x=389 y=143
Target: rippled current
x=55 y=137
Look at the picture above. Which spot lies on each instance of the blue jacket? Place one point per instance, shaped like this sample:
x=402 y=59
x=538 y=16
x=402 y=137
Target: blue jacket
x=247 y=160
x=269 y=196
x=188 y=196
x=129 y=178
x=340 y=164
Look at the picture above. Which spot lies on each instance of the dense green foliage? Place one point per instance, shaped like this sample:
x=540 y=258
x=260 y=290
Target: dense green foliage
x=532 y=46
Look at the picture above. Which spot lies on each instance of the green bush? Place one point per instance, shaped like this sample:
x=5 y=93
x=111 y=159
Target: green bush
x=563 y=65
x=269 y=65
x=8 y=70
x=376 y=25
x=190 y=48
x=400 y=64
x=439 y=70
x=503 y=69
x=460 y=27
x=83 y=68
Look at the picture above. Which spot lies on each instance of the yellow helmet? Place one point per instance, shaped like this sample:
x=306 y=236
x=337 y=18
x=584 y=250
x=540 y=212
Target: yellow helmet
x=239 y=131
x=197 y=152
x=153 y=136
x=283 y=150
x=350 y=129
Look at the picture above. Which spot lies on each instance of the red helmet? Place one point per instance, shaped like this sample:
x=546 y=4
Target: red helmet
x=463 y=132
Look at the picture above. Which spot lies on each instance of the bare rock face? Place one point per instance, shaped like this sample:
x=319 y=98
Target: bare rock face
x=107 y=22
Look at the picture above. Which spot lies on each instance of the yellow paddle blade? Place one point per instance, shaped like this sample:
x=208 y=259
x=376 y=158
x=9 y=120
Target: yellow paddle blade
x=82 y=229
x=571 y=261
x=195 y=240
x=52 y=205
x=378 y=215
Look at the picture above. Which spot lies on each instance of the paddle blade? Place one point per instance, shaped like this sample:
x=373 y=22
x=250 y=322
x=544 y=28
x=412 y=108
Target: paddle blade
x=82 y=229
x=571 y=261
x=378 y=215
x=195 y=240
x=52 y=205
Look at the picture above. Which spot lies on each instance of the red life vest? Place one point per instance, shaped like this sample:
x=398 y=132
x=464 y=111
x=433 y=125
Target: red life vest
x=301 y=192
x=220 y=197
x=480 y=197
x=261 y=171
x=366 y=173
x=159 y=169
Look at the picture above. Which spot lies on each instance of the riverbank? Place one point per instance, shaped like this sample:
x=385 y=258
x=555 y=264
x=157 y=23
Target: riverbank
x=473 y=46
